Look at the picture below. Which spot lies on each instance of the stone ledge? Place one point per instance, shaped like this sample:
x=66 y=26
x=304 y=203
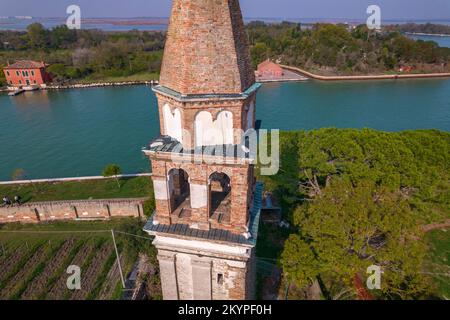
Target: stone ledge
x=205 y=97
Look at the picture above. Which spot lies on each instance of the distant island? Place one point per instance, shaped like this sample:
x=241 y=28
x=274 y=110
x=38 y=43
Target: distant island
x=424 y=29
x=127 y=22
x=345 y=50
x=92 y=55
x=428 y=34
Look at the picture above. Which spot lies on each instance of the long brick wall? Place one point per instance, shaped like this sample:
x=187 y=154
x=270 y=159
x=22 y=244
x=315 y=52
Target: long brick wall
x=35 y=212
x=368 y=77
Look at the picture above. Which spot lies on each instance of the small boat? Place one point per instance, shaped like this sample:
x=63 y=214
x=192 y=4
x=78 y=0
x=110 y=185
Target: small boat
x=30 y=88
x=16 y=92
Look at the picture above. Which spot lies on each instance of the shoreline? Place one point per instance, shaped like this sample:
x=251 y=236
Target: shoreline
x=281 y=80
x=67 y=179
x=93 y=85
x=302 y=72
x=368 y=77
x=99 y=84
x=427 y=34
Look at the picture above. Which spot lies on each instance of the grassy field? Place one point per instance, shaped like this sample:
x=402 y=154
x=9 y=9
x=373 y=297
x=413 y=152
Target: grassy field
x=81 y=190
x=34 y=258
x=438 y=262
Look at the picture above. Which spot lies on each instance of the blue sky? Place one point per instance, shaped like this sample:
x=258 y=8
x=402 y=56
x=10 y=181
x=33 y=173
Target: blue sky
x=349 y=9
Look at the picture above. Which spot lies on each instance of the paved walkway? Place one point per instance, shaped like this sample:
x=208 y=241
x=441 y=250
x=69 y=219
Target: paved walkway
x=288 y=76
x=74 y=179
x=434 y=226
x=370 y=77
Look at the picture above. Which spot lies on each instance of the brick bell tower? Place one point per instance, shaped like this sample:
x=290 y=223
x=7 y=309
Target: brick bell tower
x=207 y=207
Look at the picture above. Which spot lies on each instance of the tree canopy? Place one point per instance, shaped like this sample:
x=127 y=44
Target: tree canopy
x=359 y=198
x=339 y=49
x=81 y=54
x=112 y=170
x=321 y=48
x=351 y=227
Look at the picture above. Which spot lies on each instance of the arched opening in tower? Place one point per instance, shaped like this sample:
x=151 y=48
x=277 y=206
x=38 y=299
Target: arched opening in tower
x=172 y=123
x=179 y=190
x=213 y=132
x=219 y=197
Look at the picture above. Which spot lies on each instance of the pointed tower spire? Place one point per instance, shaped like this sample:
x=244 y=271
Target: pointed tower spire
x=206 y=49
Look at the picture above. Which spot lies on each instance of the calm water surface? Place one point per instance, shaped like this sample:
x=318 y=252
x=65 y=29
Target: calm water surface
x=77 y=132
x=442 y=41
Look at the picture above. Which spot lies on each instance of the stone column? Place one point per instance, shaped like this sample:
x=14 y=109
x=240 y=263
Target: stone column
x=161 y=200
x=199 y=204
x=168 y=275
x=201 y=279
x=239 y=206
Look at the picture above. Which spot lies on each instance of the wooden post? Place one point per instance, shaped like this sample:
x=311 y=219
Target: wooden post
x=118 y=259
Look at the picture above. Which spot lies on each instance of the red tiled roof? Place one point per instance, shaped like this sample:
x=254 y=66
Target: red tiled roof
x=268 y=63
x=26 y=64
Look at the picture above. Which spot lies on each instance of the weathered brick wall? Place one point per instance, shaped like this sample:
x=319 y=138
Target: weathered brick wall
x=203 y=275
x=206 y=52
x=234 y=282
x=189 y=111
x=207 y=48
x=69 y=210
x=199 y=174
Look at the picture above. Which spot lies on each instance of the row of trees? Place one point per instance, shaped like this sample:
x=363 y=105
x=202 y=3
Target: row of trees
x=429 y=28
x=359 y=198
x=76 y=54
x=2 y=79
x=61 y=37
x=327 y=48
x=339 y=49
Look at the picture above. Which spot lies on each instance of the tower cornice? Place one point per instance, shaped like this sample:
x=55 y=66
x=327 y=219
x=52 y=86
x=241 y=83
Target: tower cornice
x=165 y=91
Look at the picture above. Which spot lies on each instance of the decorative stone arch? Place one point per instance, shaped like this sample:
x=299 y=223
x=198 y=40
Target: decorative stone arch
x=211 y=130
x=219 y=196
x=172 y=122
x=219 y=169
x=180 y=166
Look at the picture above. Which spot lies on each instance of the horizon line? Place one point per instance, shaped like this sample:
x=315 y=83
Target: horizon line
x=245 y=18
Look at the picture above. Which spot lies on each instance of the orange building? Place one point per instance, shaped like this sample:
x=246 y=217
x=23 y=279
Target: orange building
x=26 y=73
x=269 y=69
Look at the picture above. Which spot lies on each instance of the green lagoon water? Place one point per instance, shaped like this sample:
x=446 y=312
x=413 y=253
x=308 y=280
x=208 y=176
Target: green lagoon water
x=77 y=132
x=441 y=41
